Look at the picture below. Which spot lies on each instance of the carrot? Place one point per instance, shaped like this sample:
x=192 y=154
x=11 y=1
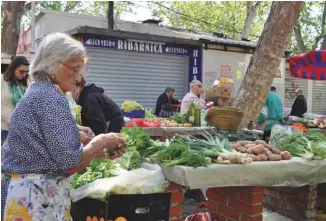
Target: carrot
x=300 y=127
x=88 y=218
x=95 y=218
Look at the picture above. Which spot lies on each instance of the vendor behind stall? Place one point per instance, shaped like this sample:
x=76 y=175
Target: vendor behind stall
x=165 y=101
x=299 y=106
x=192 y=97
x=99 y=112
x=272 y=114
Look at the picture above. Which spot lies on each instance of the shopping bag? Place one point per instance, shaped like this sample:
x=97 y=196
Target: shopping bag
x=167 y=111
x=203 y=216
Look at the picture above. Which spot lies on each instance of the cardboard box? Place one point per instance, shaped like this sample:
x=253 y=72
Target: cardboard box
x=224 y=102
x=223 y=92
x=134 y=207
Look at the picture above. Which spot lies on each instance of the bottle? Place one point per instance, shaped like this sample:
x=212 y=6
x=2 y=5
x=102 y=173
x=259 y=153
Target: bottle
x=250 y=125
x=197 y=117
x=192 y=109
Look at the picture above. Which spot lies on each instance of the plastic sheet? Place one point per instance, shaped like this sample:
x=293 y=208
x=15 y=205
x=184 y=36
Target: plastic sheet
x=147 y=179
x=295 y=172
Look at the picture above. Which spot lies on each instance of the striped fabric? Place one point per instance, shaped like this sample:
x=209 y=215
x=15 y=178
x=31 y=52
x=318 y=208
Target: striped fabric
x=311 y=65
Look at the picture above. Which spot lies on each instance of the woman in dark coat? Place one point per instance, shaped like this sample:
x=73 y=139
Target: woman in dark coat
x=165 y=99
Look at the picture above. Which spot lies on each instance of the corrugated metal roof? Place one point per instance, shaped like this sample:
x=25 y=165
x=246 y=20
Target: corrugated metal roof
x=210 y=37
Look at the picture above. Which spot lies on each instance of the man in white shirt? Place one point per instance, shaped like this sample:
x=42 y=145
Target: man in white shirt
x=192 y=96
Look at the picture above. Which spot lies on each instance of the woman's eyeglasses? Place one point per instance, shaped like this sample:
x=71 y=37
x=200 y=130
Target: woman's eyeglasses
x=75 y=71
x=23 y=72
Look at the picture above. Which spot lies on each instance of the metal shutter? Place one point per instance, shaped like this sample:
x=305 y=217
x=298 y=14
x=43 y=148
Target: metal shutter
x=319 y=97
x=290 y=85
x=137 y=76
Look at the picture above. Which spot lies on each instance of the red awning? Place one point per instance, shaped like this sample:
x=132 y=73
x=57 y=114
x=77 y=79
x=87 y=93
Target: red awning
x=311 y=65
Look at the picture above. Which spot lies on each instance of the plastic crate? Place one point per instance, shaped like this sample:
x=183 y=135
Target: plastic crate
x=134 y=207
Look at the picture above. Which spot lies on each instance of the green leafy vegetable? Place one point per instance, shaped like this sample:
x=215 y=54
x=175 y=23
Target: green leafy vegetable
x=130 y=160
x=98 y=169
x=180 y=118
x=169 y=153
x=149 y=114
x=137 y=137
x=316 y=136
x=188 y=158
x=298 y=145
x=319 y=149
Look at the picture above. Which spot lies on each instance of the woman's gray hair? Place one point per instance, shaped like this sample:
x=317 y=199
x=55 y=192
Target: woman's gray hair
x=54 y=50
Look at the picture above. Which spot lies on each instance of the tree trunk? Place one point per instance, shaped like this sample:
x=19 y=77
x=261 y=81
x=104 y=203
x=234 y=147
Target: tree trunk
x=13 y=12
x=298 y=37
x=266 y=58
x=250 y=16
x=323 y=45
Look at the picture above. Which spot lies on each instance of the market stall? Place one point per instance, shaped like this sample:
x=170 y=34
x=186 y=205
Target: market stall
x=241 y=173
x=310 y=66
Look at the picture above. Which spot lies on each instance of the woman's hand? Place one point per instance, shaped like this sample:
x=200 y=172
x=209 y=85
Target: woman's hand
x=97 y=148
x=98 y=145
x=84 y=138
x=86 y=130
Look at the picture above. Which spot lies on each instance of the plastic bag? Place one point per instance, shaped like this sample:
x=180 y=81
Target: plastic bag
x=142 y=180
x=279 y=132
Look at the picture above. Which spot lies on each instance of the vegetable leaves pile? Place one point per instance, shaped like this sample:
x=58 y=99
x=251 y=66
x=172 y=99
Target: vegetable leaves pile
x=98 y=169
x=130 y=160
x=137 y=137
x=179 y=153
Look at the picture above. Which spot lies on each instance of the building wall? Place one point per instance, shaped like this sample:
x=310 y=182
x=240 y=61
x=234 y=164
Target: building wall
x=218 y=64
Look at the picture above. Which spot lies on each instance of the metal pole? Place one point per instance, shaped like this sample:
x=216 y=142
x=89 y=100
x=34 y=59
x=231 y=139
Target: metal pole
x=32 y=48
x=110 y=15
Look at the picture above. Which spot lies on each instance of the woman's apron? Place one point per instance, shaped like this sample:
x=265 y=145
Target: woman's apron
x=34 y=197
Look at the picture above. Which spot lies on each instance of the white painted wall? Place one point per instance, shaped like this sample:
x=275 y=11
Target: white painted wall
x=54 y=21
x=222 y=63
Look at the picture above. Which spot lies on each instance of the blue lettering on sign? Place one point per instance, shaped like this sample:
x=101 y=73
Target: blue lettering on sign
x=194 y=53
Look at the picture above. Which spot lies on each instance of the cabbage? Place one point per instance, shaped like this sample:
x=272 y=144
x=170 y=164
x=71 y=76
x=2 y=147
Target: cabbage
x=298 y=146
x=319 y=149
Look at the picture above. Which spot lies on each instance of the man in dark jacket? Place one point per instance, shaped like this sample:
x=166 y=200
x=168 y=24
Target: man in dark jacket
x=165 y=99
x=99 y=112
x=300 y=105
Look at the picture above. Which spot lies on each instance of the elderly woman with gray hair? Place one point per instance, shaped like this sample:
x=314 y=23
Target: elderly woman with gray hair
x=192 y=97
x=44 y=142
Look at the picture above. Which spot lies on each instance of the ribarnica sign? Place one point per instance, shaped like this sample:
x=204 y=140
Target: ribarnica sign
x=194 y=53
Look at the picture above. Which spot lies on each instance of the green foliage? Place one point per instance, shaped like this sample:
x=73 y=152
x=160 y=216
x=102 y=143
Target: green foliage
x=223 y=17
x=312 y=28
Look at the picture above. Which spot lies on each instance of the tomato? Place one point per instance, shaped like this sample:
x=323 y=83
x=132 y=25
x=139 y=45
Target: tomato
x=150 y=124
x=138 y=121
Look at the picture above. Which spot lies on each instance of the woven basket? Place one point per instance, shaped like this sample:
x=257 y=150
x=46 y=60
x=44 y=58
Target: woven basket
x=226 y=118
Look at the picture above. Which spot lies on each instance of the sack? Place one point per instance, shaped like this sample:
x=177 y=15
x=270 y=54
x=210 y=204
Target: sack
x=205 y=216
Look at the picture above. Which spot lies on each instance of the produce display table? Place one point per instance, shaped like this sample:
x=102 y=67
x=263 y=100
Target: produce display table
x=170 y=131
x=239 y=192
x=295 y=172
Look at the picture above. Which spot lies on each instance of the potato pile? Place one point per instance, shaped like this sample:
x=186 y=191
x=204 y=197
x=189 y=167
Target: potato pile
x=260 y=151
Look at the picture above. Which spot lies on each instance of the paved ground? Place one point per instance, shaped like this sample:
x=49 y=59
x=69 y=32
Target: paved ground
x=191 y=199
